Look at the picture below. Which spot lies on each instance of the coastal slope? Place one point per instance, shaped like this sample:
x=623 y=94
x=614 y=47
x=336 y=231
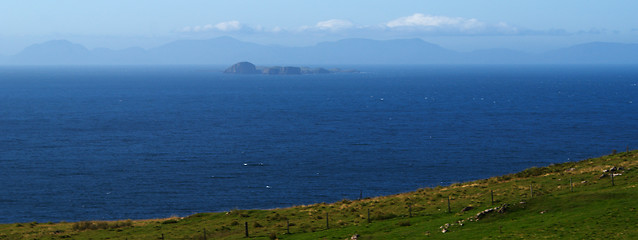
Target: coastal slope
x=589 y=199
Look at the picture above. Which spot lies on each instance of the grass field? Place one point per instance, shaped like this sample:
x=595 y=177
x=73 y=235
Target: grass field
x=538 y=203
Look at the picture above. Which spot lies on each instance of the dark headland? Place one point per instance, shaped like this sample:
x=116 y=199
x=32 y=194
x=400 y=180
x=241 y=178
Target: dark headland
x=249 y=68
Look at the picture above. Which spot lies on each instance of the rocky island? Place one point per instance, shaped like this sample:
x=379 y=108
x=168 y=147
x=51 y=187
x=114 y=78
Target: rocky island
x=249 y=68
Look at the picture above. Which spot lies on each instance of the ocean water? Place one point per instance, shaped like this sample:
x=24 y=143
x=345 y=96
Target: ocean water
x=89 y=143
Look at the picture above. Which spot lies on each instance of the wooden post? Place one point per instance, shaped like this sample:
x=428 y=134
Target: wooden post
x=360 y=194
x=327 y=222
x=246 y=227
x=162 y=236
x=369 y=220
x=287 y=226
x=410 y=210
x=531 y=190
x=612 y=178
x=449 y=210
x=492 y=195
x=571 y=185
x=204 y=233
x=627 y=148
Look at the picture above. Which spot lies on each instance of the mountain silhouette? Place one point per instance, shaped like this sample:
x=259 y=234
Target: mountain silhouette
x=53 y=52
x=227 y=50
x=595 y=53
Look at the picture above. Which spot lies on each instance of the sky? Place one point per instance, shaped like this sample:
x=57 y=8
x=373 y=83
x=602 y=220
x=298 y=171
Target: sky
x=527 y=25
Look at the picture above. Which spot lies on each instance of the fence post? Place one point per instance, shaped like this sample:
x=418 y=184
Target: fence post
x=492 y=196
x=531 y=190
x=369 y=220
x=571 y=185
x=327 y=221
x=246 y=227
x=360 y=194
x=162 y=236
x=612 y=178
x=449 y=210
x=287 y=226
x=204 y=233
x=410 y=210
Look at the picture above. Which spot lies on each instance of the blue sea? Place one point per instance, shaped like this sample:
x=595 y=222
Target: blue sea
x=139 y=142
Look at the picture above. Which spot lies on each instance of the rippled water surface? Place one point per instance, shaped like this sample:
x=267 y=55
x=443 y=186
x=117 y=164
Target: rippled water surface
x=84 y=143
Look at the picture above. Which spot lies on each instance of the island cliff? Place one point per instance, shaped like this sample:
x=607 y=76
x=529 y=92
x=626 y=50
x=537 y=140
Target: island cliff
x=242 y=68
x=249 y=68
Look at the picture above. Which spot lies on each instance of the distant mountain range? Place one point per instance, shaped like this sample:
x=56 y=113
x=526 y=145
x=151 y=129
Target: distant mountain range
x=226 y=50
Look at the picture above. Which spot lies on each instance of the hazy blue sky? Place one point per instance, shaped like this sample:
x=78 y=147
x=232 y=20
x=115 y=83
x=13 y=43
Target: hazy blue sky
x=462 y=25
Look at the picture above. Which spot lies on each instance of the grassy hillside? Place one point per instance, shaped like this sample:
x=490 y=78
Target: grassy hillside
x=535 y=203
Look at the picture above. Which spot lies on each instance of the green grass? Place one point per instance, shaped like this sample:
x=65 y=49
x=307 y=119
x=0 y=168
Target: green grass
x=595 y=209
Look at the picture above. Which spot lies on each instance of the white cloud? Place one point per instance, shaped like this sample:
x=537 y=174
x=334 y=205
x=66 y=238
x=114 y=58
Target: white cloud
x=228 y=26
x=506 y=28
x=334 y=25
x=419 y=20
x=416 y=25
